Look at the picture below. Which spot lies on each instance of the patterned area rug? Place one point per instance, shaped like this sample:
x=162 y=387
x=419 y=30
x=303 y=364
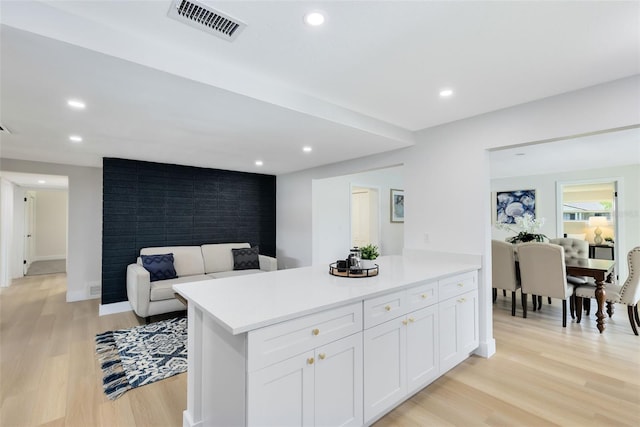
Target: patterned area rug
x=141 y=355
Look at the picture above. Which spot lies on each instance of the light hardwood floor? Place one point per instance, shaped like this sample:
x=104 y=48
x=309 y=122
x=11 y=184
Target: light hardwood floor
x=542 y=374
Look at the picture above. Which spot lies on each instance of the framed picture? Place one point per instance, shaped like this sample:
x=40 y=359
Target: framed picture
x=397 y=205
x=513 y=204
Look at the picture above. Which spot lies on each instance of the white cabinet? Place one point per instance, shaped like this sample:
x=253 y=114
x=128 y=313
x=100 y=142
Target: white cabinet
x=385 y=367
x=320 y=387
x=400 y=358
x=400 y=346
x=422 y=348
x=346 y=365
x=458 y=317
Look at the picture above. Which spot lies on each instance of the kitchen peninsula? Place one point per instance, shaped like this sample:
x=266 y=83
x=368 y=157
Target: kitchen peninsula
x=302 y=347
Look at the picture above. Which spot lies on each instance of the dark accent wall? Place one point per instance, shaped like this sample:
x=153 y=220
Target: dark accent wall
x=152 y=204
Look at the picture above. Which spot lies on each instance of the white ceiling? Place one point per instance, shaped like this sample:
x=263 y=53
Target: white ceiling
x=606 y=149
x=159 y=90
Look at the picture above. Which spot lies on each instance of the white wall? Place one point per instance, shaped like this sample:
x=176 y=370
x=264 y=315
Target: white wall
x=332 y=216
x=50 y=224
x=6 y=231
x=84 y=252
x=546 y=205
x=295 y=206
x=446 y=176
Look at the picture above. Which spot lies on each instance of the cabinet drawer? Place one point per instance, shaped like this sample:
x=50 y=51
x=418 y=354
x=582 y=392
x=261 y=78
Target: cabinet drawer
x=457 y=285
x=422 y=296
x=274 y=343
x=386 y=307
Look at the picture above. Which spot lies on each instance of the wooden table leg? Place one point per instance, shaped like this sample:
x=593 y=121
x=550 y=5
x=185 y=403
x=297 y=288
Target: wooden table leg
x=600 y=299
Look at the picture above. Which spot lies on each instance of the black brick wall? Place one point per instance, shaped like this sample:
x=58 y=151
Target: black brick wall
x=152 y=204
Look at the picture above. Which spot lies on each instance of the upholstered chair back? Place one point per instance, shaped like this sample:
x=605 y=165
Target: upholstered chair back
x=543 y=270
x=573 y=248
x=630 y=293
x=503 y=266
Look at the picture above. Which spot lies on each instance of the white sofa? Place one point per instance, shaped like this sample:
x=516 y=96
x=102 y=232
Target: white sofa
x=191 y=263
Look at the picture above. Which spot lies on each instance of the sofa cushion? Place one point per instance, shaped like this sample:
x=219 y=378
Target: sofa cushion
x=246 y=258
x=187 y=260
x=233 y=273
x=163 y=289
x=218 y=257
x=160 y=266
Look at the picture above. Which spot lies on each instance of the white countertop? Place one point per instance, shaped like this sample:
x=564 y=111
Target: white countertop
x=244 y=303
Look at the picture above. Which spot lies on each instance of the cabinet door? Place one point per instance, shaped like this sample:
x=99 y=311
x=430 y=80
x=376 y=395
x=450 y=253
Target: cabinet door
x=458 y=336
x=448 y=336
x=282 y=394
x=422 y=348
x=468 y=324
x=385 y=372
x=338 y=383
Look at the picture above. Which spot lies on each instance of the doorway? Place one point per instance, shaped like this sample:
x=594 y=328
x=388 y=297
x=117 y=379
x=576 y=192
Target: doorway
x=29 y=230
x=588 y=210
x=365 y=216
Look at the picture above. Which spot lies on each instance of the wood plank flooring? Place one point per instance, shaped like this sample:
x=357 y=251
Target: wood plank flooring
x=542 y=374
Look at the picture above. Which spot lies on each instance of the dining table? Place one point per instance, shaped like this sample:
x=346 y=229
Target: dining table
x=602 y=271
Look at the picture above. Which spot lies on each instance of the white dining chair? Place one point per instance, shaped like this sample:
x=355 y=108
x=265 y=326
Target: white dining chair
x=503 y=270
x=543 y=273
x=627 y=293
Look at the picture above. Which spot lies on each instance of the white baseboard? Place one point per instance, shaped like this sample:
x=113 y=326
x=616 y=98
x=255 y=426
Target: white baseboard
x=114 y=308
x=487 y=348
x=49 y=257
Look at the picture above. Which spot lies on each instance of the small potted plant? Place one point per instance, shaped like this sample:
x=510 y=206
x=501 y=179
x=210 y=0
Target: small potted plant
x=369 y=253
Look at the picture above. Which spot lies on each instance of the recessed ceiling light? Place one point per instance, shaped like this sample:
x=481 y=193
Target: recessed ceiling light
x=314 y=19
x=444 y=93
x=75 y=138
x=259 y=163
x=306 y=149
x=76 y=104
x=42 y=181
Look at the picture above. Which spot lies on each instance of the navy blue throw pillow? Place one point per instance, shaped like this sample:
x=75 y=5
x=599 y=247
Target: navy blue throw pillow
x=246 y=258
x=160 y=267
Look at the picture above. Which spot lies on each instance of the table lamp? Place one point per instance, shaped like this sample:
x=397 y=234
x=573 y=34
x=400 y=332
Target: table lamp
x=597 y=221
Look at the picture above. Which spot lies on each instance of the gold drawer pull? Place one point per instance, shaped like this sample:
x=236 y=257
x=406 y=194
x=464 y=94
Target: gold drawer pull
x=322 y=356
x=411 y=319
x=310 y=361
x=315 y=331
x=404 y=322
x=460 y=285
x=424 y=296
x=462 y=300
x=387 y=307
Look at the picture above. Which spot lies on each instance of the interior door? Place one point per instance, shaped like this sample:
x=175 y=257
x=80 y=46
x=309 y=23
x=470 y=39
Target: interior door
x=29 y=230
x=365 y=218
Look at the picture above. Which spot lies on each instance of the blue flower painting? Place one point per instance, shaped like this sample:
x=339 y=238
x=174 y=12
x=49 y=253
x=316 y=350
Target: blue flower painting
x=513 y=204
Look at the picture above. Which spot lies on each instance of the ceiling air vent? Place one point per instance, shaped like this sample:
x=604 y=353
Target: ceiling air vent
x=201 y=16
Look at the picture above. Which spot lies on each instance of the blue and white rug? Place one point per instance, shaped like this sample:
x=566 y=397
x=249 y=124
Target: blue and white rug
x=141 y=355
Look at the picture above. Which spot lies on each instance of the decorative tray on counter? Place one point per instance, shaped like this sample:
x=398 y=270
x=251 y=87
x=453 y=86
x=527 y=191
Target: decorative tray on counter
x=352 y=272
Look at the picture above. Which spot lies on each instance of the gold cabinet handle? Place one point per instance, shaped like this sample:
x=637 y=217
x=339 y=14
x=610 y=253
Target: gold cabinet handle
x=404 y=322
x=315 y=331
x=460 y=285
x=321 y=356
x=462 y=300
x=423 y=296
x=387 y=307
x=310 y=361
x=411 y=320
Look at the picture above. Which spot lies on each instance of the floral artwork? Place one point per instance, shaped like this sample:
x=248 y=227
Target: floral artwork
x=397 y=205
x=514 y=204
